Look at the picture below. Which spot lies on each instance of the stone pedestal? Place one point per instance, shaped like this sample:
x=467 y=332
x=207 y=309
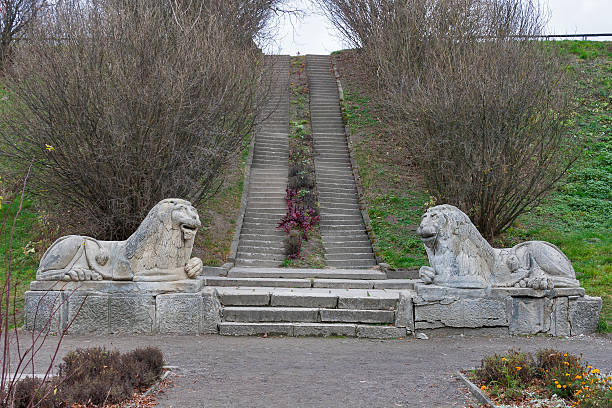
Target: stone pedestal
x=109 y=307
x=521 y=311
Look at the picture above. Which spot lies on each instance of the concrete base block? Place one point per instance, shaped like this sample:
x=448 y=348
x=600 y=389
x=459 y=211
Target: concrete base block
x=324 y=330
x=254 y=329
x=583 y=314
x=43 y=311
x=357 y=316
x=88 y=314
x=178 y=313
x=381 y=332
x=404 y=316
x=210 y=315
x=132 y=314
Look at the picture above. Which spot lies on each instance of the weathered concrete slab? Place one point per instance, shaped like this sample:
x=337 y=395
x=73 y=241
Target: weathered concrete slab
x=381 y=332
x=270 y=314
x=88 y=314
x=121 y=287
x=236 y=297
x=529 y=315
x=371 y=301
x=210 y=313
x=301 y=299
x=343 y=283
x=357 y=316
x=404 y=315
x=241 y=272
x=178 y=313
x=324 y=330
x=254 y=329
x=460 y=313
x=583 y=315
x=132 y=314
x=43 y=311
x=255 y=282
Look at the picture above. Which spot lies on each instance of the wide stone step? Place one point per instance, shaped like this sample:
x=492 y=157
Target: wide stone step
x=291 y=273
x=269 y=314
x=361 y=299
x=351 y=255
x=257 y=263
x=353 y=263
x=355 y=241
x=251 y=247
x=366 y=248
x=263 y=256
x=304 y=314
x=312 y=329
x=319 y=283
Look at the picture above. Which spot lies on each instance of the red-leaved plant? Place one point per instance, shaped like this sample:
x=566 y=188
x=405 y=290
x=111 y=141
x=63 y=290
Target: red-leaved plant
x=298 y=218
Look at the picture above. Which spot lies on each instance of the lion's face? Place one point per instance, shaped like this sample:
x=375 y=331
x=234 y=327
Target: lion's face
x=185 y=217
x=432 y=223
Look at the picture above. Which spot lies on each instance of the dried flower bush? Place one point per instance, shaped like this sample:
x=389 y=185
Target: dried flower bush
x=476 y=97
x=123 y=103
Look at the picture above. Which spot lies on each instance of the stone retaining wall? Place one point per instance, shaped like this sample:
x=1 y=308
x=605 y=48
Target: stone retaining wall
x=119 y=308
x=189 y=308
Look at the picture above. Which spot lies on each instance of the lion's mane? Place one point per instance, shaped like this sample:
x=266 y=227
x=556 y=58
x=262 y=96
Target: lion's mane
x=157 y=243
x=470 y=253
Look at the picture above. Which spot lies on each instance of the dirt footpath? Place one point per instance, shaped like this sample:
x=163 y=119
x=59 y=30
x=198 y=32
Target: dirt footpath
x=215 y=371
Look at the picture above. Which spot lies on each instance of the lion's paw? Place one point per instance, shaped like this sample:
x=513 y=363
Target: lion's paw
x=82 y=275
x=194 y=267
x=539 y=283
x=427 y=274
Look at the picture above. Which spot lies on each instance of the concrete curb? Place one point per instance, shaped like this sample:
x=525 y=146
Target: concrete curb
x=360 y=193
x=476 y=392
x=243 y=201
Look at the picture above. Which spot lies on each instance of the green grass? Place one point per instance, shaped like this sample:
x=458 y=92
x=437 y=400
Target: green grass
x=577 y=216
x=394 y=208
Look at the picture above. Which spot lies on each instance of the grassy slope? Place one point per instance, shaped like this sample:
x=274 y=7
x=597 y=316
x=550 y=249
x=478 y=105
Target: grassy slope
x=577 y=216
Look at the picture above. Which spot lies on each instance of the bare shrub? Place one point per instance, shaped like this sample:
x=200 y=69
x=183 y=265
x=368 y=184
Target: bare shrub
x=123 y=103
x=15 y=16
x=478 y=100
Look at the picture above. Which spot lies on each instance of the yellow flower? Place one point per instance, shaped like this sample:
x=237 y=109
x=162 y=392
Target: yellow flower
x=483 y=387
x=518 y=368
x=595 y=371
x=49 y=148
x=503 y=358
x=579 y=377
x=566 y=363
x=556 y=382
x=564 y=386
x=558 y=385
x=565 y=355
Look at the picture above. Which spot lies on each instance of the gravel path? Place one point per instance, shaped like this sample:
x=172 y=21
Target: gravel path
x=216 y=371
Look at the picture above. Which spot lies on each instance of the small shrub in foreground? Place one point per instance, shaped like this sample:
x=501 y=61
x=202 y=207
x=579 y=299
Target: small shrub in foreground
x=550 y=372
x=99 y=376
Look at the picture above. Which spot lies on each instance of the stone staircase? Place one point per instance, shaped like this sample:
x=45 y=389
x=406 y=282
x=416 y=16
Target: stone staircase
x=345 y=239
x=260 y=243
x=312 y=302
x=348 y=299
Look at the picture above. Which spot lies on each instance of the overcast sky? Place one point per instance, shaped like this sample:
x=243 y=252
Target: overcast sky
x=312 y=34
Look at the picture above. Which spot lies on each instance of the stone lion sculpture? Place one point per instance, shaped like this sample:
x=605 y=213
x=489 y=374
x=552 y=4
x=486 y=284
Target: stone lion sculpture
x=460 y=257
x=159 y=250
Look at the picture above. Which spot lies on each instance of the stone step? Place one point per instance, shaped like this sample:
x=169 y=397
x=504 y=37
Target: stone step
x=351 y=255
x=292 y=273
x=360 y=299
x=366 y=248
x=319 y=283
x=252 y=247
x=356 y=241
x=257 y=263
x=252 y=314
x=352 y=263
x=312 y=329
x=264 y=256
